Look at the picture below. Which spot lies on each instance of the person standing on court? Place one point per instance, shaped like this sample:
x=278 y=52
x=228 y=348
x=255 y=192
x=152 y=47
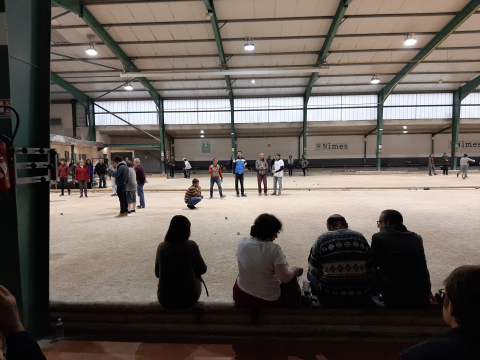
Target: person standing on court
x=73 y=166
x=171 y=167
x=63 y=172
x=304 y=164
x=141 y=180
x=239 y=165
x=112 y=174
x=193 y=195
x=269 y=168
x=121 y=175
x=431 y=165
x=131 y=188
x=82 y=177
x=291 y=162
x=186 y=169
x=445 y=163
x=464 y=166
x=216 y=177
x=89 y=165
x=261 y=166
x=277 y=171
x=101 y=170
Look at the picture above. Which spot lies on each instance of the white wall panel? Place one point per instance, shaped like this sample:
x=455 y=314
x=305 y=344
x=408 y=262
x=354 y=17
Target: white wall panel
x=471 y=112
x=180 y=111
x=342 y=108
x=356 y=113
x=324 y=108
x=278 y=109
x=409 y=106
x=221 y=115
x=245 y=110
x=135 y=112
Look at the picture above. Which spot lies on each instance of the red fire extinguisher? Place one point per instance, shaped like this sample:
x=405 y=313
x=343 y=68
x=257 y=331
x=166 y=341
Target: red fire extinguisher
x=6 y=157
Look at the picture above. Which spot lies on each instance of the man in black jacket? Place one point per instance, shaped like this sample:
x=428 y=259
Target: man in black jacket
x=101 y=170
x=401 y=275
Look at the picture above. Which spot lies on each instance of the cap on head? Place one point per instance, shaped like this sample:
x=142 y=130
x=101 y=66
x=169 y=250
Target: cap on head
x=278 y=154
x=184 y=159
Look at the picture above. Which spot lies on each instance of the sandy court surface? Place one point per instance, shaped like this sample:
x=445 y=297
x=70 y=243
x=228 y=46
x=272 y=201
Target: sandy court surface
x=96 y=257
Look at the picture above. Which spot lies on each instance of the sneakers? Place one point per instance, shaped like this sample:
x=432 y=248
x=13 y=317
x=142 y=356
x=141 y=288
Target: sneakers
x=238 y=195
x=266 y=194
x=279 y=194
x=61 y=194
x=259 y=194
x=211 y=196
x=81 y=196
x=273 y=194
x=113 y=195
x=191 y=207
x=131 y=211
x=140 y=207
x=121 y=215
x=69 y=192
x=244 y=195
x=223 y=197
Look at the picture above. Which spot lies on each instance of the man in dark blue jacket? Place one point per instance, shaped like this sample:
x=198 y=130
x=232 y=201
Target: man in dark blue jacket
x=239 y=165
x=121 y=175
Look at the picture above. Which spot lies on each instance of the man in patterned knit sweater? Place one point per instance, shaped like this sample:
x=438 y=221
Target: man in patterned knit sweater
x=339 y=266
x=216 y=178
x=193 y=195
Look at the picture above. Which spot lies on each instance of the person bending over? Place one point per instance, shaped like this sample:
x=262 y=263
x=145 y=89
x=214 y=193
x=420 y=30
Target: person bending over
x=19 y=345
x=401 y=275
x=461 y=311
x=262 y=266
x=339 y=266
x=239 y=165
x=119 y=170
x=193 y=195
x=179 y=266
x=216 y=177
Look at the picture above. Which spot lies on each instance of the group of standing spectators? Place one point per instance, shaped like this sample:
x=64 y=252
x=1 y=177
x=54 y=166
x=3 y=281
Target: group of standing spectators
x=464 y=162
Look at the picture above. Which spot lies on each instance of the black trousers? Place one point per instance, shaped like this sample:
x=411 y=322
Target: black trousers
x=304 y=169
x=239 y=177
x=172 y=173
x=63 y=184
x=445 y=169
x=122 y=197
x=290 y=170
x=89 y=184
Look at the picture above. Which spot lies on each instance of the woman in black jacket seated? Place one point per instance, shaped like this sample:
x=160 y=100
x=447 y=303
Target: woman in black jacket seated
x=178 y=266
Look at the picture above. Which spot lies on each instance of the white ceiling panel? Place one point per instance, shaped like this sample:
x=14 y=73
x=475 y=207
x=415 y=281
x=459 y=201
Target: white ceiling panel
x=275 y=28
x=266 y=46
x=65 y=20
x=454 y=55
x=404 y=7
x=272 y=60
x=426 y=87
x=364 y=57
x=188 y=10
x=449 y=67
x=436 y=77
x=377 y=42
x=472 y=23
x=462 y=40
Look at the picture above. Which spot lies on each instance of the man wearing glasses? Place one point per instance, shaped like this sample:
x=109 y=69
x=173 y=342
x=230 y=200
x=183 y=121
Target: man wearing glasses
x=401 y=276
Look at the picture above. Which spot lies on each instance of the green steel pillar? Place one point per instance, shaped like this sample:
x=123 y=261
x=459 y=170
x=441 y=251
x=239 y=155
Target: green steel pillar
x=305 y=110
x=299 y=148
x=365 y=150
x=378 y=150
x=25 y=212
x=433 y=145
x=92 y=131
x=455 y=126
x=232 y=123
x=74 y=118
x=161 y=124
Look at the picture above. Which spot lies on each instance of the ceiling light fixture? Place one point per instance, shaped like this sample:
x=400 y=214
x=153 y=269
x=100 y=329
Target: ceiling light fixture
x=201 y=131
x=404 y=128
x=128 y=87
x=208 y=15
x=253 y=81
x=202 y=136
x=375 y=79
x=410 y=40
x=405 y=132
x=91 y=50
x=249 y=46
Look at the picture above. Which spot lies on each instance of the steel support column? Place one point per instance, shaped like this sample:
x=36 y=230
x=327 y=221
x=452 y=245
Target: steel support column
x=92 y=131
x=24 y=214
x=378 y=149
x=74 y=128
x=455 y=126
x=232 y=127
x=299 y=148
x=305 y=113
x=161 y=123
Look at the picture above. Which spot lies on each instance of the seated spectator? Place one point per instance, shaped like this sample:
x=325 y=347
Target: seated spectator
x=461 y=311
x=179 y=266
x=401 y=275
x=262 y=266
x=193 y=195
x=339 y=266
x=19 y=345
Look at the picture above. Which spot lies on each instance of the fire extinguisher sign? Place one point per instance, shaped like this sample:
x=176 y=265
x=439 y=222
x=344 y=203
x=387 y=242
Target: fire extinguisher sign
x=5 y=112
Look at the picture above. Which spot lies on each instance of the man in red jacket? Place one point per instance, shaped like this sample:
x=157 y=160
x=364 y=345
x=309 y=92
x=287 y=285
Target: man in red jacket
x=63 y=171
x=215 y=171
x=82 y=176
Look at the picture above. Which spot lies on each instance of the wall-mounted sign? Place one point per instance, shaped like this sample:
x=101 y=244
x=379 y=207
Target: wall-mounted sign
x=206 y=146
x=330 y=146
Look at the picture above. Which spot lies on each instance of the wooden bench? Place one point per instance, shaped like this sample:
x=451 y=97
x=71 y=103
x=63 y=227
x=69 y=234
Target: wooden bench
x=224 y=319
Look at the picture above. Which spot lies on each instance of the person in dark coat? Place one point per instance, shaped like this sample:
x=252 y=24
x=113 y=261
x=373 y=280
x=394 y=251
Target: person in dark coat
x=445 y=163
x=89 y=165
x=101 y=170
x=171 y=167
x=119 y=170
x=401 y=274
x=179 y=266
x=461 y=311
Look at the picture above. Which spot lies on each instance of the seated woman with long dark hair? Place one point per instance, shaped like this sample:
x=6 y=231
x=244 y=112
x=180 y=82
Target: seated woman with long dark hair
x=178 y=266
x=262 y=266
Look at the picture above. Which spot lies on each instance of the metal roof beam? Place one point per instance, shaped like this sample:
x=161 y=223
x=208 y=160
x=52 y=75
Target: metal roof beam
x=458 y=20
x=77 y=94
x=79 y=9
x=470 y=86
x=336 y=22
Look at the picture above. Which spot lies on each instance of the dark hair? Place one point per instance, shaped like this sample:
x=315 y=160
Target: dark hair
x=462 y=288
x=465 y=155
x=117 y=159
x=194 y=181
x=393 y=217
x=129 y=163
x=179 y=230
x=214 y=159
x=265 y=226
x=238 y=151
x=88 y=160
x=62 y=159
x=336 y=220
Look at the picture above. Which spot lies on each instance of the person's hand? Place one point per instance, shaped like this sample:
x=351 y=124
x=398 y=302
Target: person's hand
x=9 y=319
x=199 y=187
x=432 y=300
x=76 y=181
x=273 y=171
x=298 y=271
x=88 y=180
x=234 y=175
x=221 y=180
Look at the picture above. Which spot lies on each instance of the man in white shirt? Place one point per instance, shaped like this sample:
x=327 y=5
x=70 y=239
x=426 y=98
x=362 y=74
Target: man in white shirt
x=464 y=166
x=186 y=169
x=277 y=171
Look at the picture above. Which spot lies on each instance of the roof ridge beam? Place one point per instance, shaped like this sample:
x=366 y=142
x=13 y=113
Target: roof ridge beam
x=470 y=9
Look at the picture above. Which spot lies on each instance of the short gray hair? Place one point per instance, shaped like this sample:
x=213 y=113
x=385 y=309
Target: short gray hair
x=136 y=160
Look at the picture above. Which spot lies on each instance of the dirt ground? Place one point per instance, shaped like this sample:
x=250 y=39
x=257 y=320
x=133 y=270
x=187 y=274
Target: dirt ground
x=97 y=257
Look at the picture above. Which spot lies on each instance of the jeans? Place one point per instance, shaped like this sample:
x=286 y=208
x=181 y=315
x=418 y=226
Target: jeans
x=122 y=197
x=279 y=180
x=102 y=180
x=431 y=168
x=217 y=181
x=261 y=178
x=186 y=173
x=63 y=183
x=114 y=187
x=141 y=195
x=290 y=170
x=194 y=200
x=239 y=177
x=82 y=184
x=269 y=171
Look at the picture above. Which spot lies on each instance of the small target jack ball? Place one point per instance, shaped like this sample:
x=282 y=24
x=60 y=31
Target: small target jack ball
x=238 y=233
x=61 y=213
x=226 y=218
